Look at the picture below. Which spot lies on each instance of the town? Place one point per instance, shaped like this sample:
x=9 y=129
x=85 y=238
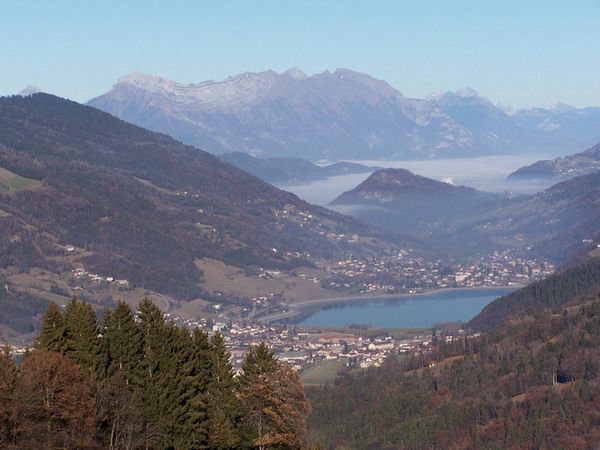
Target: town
x=302 y=347
x=405 y=273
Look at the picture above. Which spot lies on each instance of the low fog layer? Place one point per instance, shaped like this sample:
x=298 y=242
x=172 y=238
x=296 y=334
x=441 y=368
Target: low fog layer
x=486 y=174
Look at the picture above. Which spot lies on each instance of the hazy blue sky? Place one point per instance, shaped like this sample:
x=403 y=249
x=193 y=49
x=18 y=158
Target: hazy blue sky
x=519 y=52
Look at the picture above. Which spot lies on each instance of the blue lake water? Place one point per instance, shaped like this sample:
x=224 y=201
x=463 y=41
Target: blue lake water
x=458 y=305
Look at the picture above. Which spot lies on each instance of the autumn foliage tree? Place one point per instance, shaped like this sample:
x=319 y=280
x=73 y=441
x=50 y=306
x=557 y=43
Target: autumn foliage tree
x=274 y=405
x=55 y=403
x=8 y=414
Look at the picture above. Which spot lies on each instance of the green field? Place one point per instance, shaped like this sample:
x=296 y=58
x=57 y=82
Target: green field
x=322 y=372
x=11 y=183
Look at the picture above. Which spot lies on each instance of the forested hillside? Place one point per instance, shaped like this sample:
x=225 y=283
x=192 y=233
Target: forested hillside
x=530 y=383
x=137 y=381
x=143 y=203
x=563 y=168
x=80 y=189
x=554 y=291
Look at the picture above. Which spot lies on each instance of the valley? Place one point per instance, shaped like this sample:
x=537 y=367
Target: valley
x=299 y=225
x=292 y=171
x=204 y=240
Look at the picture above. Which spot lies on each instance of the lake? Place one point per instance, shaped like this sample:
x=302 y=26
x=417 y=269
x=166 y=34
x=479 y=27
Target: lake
x=424 y=310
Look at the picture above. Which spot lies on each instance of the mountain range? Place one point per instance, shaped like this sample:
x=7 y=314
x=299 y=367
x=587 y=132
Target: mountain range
x=340 y=115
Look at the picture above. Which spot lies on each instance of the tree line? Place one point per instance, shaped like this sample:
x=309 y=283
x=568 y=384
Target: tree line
x=135 y=380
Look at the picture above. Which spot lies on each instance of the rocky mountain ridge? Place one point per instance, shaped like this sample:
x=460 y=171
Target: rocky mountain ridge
x=338 y=115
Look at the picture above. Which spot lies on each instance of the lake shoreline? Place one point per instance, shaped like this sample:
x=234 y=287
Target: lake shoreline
x=298 y=310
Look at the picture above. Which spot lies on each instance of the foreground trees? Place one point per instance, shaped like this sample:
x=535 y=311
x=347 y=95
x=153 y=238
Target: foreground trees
x=138 y=381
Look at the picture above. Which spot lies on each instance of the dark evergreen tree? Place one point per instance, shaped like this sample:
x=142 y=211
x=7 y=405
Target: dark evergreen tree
x=191 y=412
x=259 y=360
x=158 y=368
x=53 y=333
x=83 y=344
x=122 y=342
x=224 y=413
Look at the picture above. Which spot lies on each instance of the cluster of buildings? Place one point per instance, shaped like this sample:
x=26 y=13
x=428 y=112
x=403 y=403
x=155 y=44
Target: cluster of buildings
x=305 y=347
x=81 y=274
x=300 y=217
x=407 y=273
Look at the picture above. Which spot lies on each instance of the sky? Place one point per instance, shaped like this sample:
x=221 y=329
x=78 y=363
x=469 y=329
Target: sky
x=518 y=53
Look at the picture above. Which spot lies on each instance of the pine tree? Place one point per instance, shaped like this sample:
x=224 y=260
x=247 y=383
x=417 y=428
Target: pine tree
x=82 y=331
x=190 y=413
x=122 y=342
x=158 y=372
x=259 y=360
x=53 y=333
x=224 y=411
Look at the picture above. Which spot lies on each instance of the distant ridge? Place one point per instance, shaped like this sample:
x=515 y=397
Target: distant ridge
x=560 y=169
x=287 y=171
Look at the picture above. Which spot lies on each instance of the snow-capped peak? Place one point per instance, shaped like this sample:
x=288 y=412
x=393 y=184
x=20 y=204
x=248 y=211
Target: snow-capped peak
x=141 y=79
x=241 y=89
